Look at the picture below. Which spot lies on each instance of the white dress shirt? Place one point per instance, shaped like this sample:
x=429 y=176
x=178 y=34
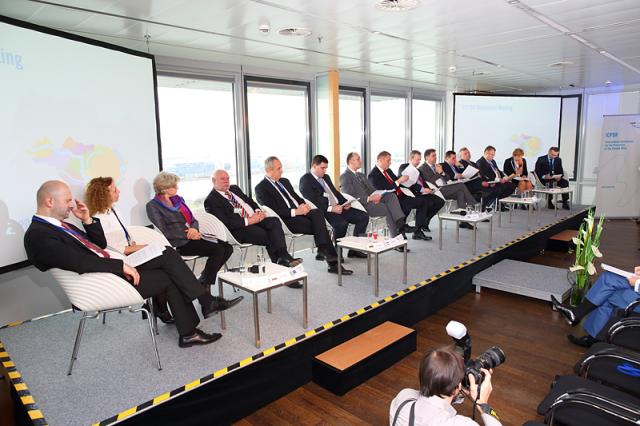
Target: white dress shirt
x=113 y=232
x=247 y=208
x=432 y=411
x=333 y=200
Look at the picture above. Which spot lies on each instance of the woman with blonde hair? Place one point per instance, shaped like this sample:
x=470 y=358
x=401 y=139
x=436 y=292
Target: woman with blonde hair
x=517 y=165
x=171 y=215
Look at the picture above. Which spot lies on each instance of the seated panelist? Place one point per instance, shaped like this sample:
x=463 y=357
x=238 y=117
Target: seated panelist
x=316 y=186
x=487 y=191
x=490 y=173
x=50 y=242
x=277 y=193
x=548 y=166
x=171 y=215
x=244 y=219
x=517 y=166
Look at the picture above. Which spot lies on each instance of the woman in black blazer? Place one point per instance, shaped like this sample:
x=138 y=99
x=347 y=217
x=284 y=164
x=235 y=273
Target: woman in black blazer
x=171 y=215
x=517 y=165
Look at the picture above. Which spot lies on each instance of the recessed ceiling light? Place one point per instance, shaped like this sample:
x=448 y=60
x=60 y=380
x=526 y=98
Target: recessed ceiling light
x=396 y=5
x=295 y=31
x=560 y=64
x=608 y=83
x=602 y=52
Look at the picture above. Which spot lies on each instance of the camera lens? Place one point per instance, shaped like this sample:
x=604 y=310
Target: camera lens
x=492 y=357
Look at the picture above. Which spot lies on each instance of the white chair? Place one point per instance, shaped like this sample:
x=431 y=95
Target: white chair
x=209 y=224
x=187 y=259
x=98 y=293
x=287 y=232
x=329 y=227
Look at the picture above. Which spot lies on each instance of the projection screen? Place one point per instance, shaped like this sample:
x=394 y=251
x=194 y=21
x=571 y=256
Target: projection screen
x=71 y=109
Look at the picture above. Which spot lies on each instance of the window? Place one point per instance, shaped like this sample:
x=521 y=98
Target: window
x=351 y=106
x=388 y=118
x=278 y=116
x=197 y=132
x=425 y=125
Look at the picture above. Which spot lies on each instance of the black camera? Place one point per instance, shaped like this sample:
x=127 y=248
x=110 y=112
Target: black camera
x=491 y=358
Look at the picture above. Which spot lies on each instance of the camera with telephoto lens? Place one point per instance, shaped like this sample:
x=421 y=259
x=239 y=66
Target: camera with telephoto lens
x=491 y=358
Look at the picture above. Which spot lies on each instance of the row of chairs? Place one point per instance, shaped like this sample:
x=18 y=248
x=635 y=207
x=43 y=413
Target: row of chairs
x=606 y=388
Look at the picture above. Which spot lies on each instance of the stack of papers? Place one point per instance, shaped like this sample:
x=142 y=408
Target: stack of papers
x=412 y=173
x=144 y=255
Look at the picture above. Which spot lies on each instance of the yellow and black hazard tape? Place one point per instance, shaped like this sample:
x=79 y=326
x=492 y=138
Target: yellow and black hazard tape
x=17 y=323
x=21 y=388
x=267 y=352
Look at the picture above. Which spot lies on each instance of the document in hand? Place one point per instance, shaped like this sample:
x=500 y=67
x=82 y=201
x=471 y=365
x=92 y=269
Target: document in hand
x=144 y=255
x=556 y=176
x=381 y=192
x=347 y=203
x=469 y=172
x=412 y=173
x=435 y=189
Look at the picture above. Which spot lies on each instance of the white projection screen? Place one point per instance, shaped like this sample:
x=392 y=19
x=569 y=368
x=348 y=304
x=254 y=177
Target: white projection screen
x=71 y=109
x=507 y=122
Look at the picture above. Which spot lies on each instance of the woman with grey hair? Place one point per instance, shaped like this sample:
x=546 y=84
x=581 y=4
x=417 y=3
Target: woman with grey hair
x=171 y=215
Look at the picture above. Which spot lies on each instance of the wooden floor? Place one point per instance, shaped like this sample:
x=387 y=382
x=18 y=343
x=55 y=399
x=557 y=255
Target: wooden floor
x=531 y=334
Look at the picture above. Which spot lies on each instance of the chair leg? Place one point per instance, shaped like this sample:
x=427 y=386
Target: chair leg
x=293 y=247
x=76 y=346
x=104 y=318
x=150 y=314
x=154 y=325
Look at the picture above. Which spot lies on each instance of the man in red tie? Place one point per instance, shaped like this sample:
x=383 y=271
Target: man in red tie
x=52 y=243
x=246 y=221
x=382 y=178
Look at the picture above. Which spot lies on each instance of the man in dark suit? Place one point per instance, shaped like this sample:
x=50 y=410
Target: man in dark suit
x=488 y=191
x=433 y=173
x=52 y=243
x=277 y=193
x=316 y=186
x=246 y=222
x=546 y=167
x=382 y=178
x=489 y=172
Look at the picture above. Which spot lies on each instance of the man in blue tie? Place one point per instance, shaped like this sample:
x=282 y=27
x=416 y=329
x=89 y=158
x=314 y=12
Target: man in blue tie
x=549 y=170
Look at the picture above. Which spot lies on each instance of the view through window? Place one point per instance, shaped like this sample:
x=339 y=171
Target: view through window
x=424 y=125
x=388 y=128
x=351 y=107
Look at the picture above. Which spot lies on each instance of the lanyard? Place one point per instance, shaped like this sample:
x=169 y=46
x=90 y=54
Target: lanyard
x=61 y=228
x=126 y=233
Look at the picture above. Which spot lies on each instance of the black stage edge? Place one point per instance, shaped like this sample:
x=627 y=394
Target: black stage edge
x=244 y=390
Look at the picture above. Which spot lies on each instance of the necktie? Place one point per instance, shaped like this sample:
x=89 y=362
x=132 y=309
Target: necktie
x=551 y=164
x=236 y=204
x=433 y=168
x=421 y=181
x=284 y=192
x=88 y=244
x=386 y=175
x=332 y=198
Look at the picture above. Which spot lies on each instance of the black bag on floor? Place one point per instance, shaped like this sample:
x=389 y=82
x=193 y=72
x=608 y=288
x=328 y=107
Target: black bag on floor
x=574 y=401
x=613 y=366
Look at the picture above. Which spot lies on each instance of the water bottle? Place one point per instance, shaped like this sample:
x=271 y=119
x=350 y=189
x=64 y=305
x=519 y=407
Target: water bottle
x=369 y=231
x=261 y=261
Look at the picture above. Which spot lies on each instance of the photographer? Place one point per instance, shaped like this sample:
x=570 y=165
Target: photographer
x=441 y=376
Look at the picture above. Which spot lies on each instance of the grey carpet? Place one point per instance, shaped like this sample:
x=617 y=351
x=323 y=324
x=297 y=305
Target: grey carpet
x=116 y=370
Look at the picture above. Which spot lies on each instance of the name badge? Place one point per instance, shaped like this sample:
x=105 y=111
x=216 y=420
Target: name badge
x=237 y=211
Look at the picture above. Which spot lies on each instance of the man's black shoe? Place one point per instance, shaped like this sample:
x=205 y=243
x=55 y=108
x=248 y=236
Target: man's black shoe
x=219 y=304
x=585 y=341
x=419 y=235
x=409 y=229
x=425 y=228
x=565 y=206
x=566 y=312
x=550 y=205
x=319 y=256
x=198 y=337
x=326 y=256
x=295 y=284
x=289 y=263
x=333 y=269
x=401 y=249
x=356 y=254
x=466 y=225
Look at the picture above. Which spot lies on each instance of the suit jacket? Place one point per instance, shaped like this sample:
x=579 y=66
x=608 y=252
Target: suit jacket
x=313 y=191
x=446 y=168
x=415 y=188
x=171 y=223
x=543 y=168
x=269 y=196
x=486 y=172
x=431 y=176
x=466 y=163
x=509 y=169
x=356 y=185
x=220 y=207
x=378 y=181
x=49 y=247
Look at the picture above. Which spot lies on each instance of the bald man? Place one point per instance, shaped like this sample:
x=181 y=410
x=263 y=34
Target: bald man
x=244 y=219
x=52 y=243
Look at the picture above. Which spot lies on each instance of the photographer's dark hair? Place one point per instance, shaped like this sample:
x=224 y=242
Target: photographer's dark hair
x=319 y=159
x=441 y=371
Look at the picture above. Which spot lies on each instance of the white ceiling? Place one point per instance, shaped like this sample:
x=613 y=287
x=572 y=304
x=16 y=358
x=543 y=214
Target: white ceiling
x=496 y=45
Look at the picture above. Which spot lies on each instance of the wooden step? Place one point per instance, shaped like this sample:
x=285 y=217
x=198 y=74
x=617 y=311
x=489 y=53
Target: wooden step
x=349 y=364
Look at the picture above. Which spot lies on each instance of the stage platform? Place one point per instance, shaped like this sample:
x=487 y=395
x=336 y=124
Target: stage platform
x=115 y=379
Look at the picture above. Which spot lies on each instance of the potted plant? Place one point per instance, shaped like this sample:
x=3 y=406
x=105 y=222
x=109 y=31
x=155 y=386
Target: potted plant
x=587 y=248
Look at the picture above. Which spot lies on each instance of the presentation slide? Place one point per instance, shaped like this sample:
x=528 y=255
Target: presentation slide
x=71 y=111
x=506 y=122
